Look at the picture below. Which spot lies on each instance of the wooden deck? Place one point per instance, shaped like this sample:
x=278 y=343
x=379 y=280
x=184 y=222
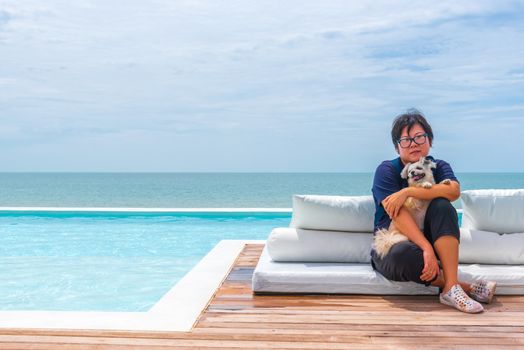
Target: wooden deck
x=235 y=318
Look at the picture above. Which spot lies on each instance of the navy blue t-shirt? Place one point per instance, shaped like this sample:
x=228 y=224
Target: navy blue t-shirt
x=388 y=181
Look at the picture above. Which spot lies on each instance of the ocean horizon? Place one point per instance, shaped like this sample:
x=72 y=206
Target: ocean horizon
x=200 y=189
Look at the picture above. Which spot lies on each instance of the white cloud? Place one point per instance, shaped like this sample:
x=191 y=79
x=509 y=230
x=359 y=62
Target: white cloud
x=241 y=75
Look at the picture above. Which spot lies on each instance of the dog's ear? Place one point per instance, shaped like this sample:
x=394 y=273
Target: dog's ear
x=432 y=164
x=404 y=172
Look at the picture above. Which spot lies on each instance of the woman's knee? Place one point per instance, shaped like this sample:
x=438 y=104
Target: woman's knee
x=405 y=253
x=441 y=219
x=440 y=204
x=405 y=262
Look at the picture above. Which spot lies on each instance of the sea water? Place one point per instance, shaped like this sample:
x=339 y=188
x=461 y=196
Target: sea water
x=194 y=190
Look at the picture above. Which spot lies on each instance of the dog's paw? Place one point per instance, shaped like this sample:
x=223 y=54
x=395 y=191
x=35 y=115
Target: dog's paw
x=427 y=184
x=446 y=182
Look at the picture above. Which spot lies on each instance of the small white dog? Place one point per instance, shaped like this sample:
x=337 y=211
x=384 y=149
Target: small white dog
x=419 y=174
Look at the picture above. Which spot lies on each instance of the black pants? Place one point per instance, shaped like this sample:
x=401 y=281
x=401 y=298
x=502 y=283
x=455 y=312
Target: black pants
x=405 y=261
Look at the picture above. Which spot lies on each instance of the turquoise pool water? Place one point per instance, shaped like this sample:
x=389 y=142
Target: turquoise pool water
x=63 y=261
x=100 y=261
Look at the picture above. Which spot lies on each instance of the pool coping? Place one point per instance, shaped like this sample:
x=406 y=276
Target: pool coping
x=145 y=210
x=177 y=310
x=152 y=210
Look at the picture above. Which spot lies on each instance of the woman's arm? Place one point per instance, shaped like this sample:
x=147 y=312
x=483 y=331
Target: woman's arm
x=394 y=202
x=451 y=191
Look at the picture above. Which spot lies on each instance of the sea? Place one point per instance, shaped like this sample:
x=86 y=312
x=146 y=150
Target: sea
x=200 y=190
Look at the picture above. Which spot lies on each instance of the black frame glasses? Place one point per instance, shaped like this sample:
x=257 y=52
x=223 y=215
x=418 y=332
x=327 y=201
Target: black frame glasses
x=418 y=139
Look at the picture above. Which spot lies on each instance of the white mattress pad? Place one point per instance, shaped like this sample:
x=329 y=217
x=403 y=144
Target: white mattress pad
x=360 y=278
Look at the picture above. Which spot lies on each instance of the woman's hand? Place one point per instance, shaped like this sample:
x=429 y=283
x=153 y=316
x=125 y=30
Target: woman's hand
x=394 y=202
x=431 y=267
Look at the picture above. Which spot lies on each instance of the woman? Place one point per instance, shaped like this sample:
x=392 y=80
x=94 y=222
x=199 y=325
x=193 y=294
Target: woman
x=416 y=259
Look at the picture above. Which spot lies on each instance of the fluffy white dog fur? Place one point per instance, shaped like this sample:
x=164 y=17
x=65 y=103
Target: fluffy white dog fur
x=419 y=174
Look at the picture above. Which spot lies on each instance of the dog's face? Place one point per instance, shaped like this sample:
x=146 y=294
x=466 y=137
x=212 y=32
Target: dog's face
x=419 y=172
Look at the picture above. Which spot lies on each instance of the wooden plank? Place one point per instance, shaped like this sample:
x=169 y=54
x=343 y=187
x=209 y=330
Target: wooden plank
x=328 y=327
x=375 y=330
x=433 y=308
x=294 y=343
x=341 y=334
x=406 y=320
x=244 y=344
x=240 y=300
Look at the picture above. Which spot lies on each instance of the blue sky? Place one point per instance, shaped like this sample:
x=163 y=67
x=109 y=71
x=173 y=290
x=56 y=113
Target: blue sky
x=256 y=85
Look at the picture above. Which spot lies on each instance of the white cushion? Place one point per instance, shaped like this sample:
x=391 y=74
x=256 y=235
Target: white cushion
x=334 y=213
x=325 y=277
x=483 y=247
x=359 y=278
x=499 y=211
x=292 y=244
x=288 y=244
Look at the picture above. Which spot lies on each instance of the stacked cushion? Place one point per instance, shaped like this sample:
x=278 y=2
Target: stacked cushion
x=288 y=244
x=333 y=213
x=492 y=226
x=500 y=211
x=339 y=229
x=483 y=247
x=295 y=244
x=325 y=229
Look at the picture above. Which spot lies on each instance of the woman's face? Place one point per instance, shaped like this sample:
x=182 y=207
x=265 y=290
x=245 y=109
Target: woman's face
x=413 y=153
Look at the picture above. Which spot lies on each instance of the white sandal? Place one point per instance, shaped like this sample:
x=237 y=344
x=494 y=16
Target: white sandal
x=457 y=298
x=483 y=291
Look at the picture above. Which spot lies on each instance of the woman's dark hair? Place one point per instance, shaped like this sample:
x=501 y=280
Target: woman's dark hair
x=411 y=117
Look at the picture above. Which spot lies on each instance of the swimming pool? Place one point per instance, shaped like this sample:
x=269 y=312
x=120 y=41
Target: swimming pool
x=110 y=261
x=116 y=261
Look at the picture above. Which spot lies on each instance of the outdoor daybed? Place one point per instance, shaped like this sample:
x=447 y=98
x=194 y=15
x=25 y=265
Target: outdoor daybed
x=326 y=248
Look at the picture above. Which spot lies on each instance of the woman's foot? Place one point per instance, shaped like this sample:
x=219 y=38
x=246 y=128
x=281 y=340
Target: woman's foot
x=457 y=298
x=483 y=291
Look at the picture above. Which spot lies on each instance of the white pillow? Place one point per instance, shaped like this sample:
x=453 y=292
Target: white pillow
x=499 y=211
x=292 y=244
x=482 y=247
x=288 y=244
x=335 y=213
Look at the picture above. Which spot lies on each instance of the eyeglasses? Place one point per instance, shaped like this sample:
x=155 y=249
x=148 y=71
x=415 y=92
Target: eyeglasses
x=405 y=142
